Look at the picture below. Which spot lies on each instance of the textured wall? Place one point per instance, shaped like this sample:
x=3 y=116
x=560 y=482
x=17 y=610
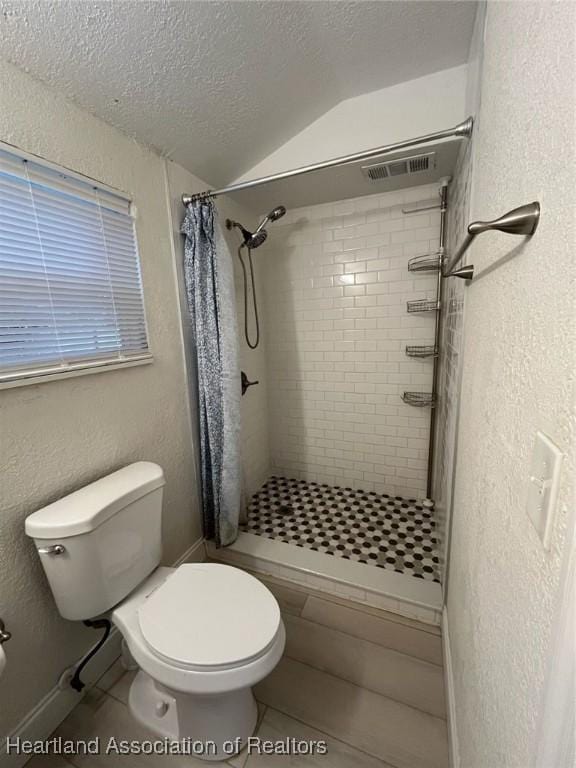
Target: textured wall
x=336 y=290
x=254 y=414
x=518 y=377
x=59 y=435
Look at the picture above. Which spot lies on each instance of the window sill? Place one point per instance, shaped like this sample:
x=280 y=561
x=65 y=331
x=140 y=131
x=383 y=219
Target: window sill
x=25 y=378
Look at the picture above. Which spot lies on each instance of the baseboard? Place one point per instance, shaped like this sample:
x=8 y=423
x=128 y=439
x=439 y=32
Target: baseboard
x=57 y=704
x=450 y=693
x=47 y=715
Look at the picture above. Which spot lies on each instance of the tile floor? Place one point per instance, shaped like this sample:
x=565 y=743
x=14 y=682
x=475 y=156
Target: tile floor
x=385 y=531
x=105 y=714
x=376 y=697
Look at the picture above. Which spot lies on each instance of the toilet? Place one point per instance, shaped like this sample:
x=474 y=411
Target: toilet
x=202 y=633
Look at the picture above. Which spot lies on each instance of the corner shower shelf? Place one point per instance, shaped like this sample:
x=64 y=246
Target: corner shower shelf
x=419 y=399
x=423 y=305
x=421 y=351
x=429 y=262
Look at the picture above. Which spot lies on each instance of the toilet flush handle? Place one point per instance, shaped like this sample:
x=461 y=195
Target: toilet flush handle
x=4 y=634
x=53 y=549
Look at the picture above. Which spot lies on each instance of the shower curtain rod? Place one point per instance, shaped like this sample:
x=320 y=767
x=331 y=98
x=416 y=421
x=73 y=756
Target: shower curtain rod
x=463 y=130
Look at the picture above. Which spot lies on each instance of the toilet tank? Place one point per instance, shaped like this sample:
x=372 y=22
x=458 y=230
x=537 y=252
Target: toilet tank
x=100 y=542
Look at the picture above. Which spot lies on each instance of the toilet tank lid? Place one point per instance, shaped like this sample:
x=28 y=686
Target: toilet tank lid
x=90 y=506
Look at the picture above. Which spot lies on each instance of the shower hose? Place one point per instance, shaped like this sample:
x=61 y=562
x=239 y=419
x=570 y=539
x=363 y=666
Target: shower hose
x=254 y=299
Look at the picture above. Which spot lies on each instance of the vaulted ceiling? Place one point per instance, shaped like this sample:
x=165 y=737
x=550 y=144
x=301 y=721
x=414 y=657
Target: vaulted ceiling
x=217 y=86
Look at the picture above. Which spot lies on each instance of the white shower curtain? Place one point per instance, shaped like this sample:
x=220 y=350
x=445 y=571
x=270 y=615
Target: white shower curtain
x=209 y=277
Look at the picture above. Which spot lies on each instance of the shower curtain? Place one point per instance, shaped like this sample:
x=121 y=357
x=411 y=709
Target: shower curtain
x=209 y=278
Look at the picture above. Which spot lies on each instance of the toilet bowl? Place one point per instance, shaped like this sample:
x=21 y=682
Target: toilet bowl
x=202 y=635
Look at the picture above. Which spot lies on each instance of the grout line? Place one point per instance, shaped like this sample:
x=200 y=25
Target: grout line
x=371 y=690
x=264 y=710
x=111 y=696
x=371 y=642
x=97 y=683
x=72 y=763
x=334 y=738
x=381 y=695
x=261 y=715
x=354 y=607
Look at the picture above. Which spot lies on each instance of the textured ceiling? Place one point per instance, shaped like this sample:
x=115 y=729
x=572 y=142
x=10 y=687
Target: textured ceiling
x=217 y=86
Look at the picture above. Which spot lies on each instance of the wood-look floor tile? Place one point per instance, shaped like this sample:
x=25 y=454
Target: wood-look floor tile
x=277 y=727
x=386 y=729
x=239 y=761
x=383 y=670
x=111 y=676
x=48 y=761
x=121 y=688
x=396 y=635
x=105 y=718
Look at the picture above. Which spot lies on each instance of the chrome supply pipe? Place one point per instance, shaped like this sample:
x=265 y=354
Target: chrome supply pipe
x=461 y=131
x=437 y=337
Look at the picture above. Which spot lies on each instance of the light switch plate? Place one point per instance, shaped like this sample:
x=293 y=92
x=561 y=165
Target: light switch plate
x=543 y=483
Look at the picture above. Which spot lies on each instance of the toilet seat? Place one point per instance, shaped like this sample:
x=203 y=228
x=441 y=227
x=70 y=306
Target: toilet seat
x=201 y=680
x=209 y=616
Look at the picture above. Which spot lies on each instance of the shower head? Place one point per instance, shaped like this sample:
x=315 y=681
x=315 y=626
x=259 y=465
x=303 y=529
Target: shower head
x=251 y=239
x=256 y=238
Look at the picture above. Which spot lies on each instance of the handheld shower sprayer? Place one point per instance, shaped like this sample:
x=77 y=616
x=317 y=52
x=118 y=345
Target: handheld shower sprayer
x=253 y=240
x=274 y=215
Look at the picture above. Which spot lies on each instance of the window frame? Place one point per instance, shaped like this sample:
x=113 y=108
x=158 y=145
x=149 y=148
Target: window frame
x=37 y=374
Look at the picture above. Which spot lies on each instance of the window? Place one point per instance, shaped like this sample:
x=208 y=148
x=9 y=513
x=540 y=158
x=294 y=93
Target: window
x=70 y=288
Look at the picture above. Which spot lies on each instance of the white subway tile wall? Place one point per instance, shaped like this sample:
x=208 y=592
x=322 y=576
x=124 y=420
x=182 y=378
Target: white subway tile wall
x=254 y=405
x=336 y=284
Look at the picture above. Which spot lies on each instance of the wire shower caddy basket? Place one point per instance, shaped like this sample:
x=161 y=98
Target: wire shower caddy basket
x=419 y=399
x=423 y=305
x=421 y=350
x=428 y=262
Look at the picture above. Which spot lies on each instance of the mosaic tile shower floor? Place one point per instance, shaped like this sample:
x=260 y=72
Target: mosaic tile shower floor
x=385 y=531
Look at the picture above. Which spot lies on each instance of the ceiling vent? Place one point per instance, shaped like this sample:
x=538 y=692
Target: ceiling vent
x=401 y=167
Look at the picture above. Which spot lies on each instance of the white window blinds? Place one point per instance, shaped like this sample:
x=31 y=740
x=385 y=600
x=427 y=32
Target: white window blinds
x=70 y=287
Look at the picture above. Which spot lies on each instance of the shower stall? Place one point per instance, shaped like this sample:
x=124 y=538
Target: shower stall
x=339 y=318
